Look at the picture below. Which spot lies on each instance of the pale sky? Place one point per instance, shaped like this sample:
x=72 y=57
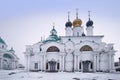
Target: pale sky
x=23 y=22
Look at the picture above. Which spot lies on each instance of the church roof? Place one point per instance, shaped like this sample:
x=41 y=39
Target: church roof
x=2 y=41
x=52 y=38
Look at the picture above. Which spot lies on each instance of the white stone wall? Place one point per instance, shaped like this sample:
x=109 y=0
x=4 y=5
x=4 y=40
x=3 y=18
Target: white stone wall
x=70 y=57
x=69 y=31
x=89 y=31
x=77 y=31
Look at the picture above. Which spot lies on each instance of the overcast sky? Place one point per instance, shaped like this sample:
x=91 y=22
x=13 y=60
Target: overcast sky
x=23 y=22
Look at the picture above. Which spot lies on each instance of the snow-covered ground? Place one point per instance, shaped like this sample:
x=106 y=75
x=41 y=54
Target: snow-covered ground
x=23 y=75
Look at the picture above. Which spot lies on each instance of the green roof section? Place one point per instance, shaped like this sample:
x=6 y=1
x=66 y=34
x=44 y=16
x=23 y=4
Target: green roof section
x=2 y=41
x=7 y=56
x=53 y=36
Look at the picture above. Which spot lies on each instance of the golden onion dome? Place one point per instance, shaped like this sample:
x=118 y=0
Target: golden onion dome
x=77 y=22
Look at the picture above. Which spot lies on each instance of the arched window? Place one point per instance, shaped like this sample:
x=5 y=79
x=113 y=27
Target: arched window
x=7 y=56
x=86 y=48
x=53 y=49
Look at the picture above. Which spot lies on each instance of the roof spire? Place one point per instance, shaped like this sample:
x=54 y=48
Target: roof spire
x=53 y=31
x=41 y=38
x=77 y=13
x=53 y=25
x=11 y=48
x=68 y=23
x=89 y=14
x=68 y=16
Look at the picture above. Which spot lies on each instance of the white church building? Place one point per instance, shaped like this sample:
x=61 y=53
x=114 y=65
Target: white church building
x=74 y=52
x=8 y=58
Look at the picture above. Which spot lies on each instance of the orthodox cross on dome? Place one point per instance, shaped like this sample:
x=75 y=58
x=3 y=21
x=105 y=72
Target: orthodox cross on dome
x=53 y=25
x=68 y=16
x=11 y=48
x=41 y=38
x=90 y=22
x=89 y=14
x=53 y=31
x=77 y=13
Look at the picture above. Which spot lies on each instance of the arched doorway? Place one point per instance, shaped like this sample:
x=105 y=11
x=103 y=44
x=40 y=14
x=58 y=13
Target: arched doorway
x=52 y=66
x=7 y=62
x=87 y=66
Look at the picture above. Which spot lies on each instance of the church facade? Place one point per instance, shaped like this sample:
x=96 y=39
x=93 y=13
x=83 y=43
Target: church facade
x=8 y=59
x=76 y=51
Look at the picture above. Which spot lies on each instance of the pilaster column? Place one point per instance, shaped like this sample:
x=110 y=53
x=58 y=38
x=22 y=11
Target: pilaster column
x=60 y=62
x=81 y=66
x=44 y=60
x=27 y=62
x=13 y=66
x=78 y=62
x=56 y=66
x=0 y=63
x=16 y=65
x=63 y=63
x=41 y=63
x=112 y=63
x=94 y=67
x=109 y=62
x=89 y=66
x=98 y=62
x=75 y=62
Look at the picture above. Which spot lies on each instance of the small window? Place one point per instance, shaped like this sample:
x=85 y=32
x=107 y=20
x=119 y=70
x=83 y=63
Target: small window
x=77 y=33
x=40 y=49
x=2 y=47
x=36 y=66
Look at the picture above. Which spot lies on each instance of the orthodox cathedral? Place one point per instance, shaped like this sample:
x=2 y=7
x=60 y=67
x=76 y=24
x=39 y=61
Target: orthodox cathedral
x=8 y=59
x=74 y=52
